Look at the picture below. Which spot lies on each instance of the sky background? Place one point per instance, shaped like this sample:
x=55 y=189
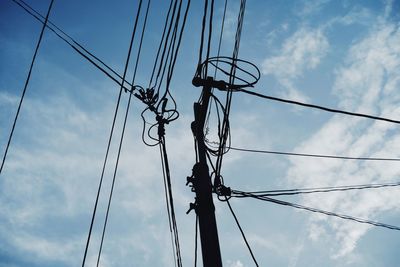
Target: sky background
x=341 y=54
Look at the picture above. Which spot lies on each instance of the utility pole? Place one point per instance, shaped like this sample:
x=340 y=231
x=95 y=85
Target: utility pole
x=201 y=181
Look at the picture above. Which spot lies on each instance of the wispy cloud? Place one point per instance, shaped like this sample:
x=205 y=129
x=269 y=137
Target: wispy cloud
x=236 y=263
x=300 y=52
x=310 y=7
x=366 y=82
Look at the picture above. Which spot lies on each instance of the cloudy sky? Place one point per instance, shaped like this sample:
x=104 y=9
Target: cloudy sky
x=341 y=54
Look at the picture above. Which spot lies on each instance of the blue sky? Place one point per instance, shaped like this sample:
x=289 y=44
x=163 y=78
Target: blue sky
x=342 y=54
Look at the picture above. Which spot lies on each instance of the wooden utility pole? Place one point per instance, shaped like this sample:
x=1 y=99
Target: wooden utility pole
x=202 y=185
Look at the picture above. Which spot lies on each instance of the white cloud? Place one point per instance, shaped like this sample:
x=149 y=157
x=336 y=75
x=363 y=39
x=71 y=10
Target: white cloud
x=266 y=244
x=356 y=15
x=388 y=8
x=365 y=83
x=300 y=52
x=54 y=179
x=230 y=24
x=310 y=7
x=298 y=248
x=236 y=263
x=43 y=249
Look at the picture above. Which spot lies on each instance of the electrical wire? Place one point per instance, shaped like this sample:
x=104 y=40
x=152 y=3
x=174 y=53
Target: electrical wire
x=203 y=27
x=170 y=199
x=167 y=44
x=242 y=233
x=288 y=192
x=215 y=150
x=307 y=155
x=216 y=65
x=26 y=85
x=166 y=48
x=175 y=55
x=220 y=36
x=80 y=49
x=287 y=101
x=161 y=42
x=167 y=202
x=223 y=136
x=195 y=240
x=165 y=64
x=248 y=77
x=108 y=146
x=160 y=114
x=124 y=124
x=210 y=27
x=328 y=213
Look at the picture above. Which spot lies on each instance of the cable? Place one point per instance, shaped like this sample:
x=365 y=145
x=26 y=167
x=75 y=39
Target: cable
x=172 y=56
x=216 y=66
x=170 y=200
x=170 y=44
x=168 y=205
x=164 y=57
x=251 y=76
x=26 y=86
x=109 y=144
x=80 y=49
x=309 y=155
x=203 y=27
x=172 y=66
x=220 y=36
x=288 y=192
x=125 y=118
x=195 y=240
x=225 y=133
x=243 y=235
x=210 y=26
x=318 y=107
x=161 y=42
x=328 y=213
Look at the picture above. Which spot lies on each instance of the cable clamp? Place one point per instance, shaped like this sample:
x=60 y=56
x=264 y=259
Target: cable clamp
x=222 y=190
x=209 y=82
x=161 y=125
x=192 y=206
x=147 y=96
x=193 y=126
x=190 y=180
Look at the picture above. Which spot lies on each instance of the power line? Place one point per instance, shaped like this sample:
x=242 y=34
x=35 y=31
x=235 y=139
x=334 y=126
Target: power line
x=195 y=239
x=170 y=199
x=162 y=121
x=80 y=49
x=328 y=213
x=310 y=155
x=168 y=50
x=26 y=85
x=167 y=46
x=126 y=116
x=106 y=69
x=161 y=44
x=108 y=147
x=225 y=131
x=287 y=101
x=220 y=36
x=287 y=192
x=242 y=233
x=210 y=27
x=216 y=65
x=203 y=28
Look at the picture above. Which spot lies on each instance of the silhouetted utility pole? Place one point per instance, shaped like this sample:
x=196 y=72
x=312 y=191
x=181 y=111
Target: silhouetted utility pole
x=201 y=181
